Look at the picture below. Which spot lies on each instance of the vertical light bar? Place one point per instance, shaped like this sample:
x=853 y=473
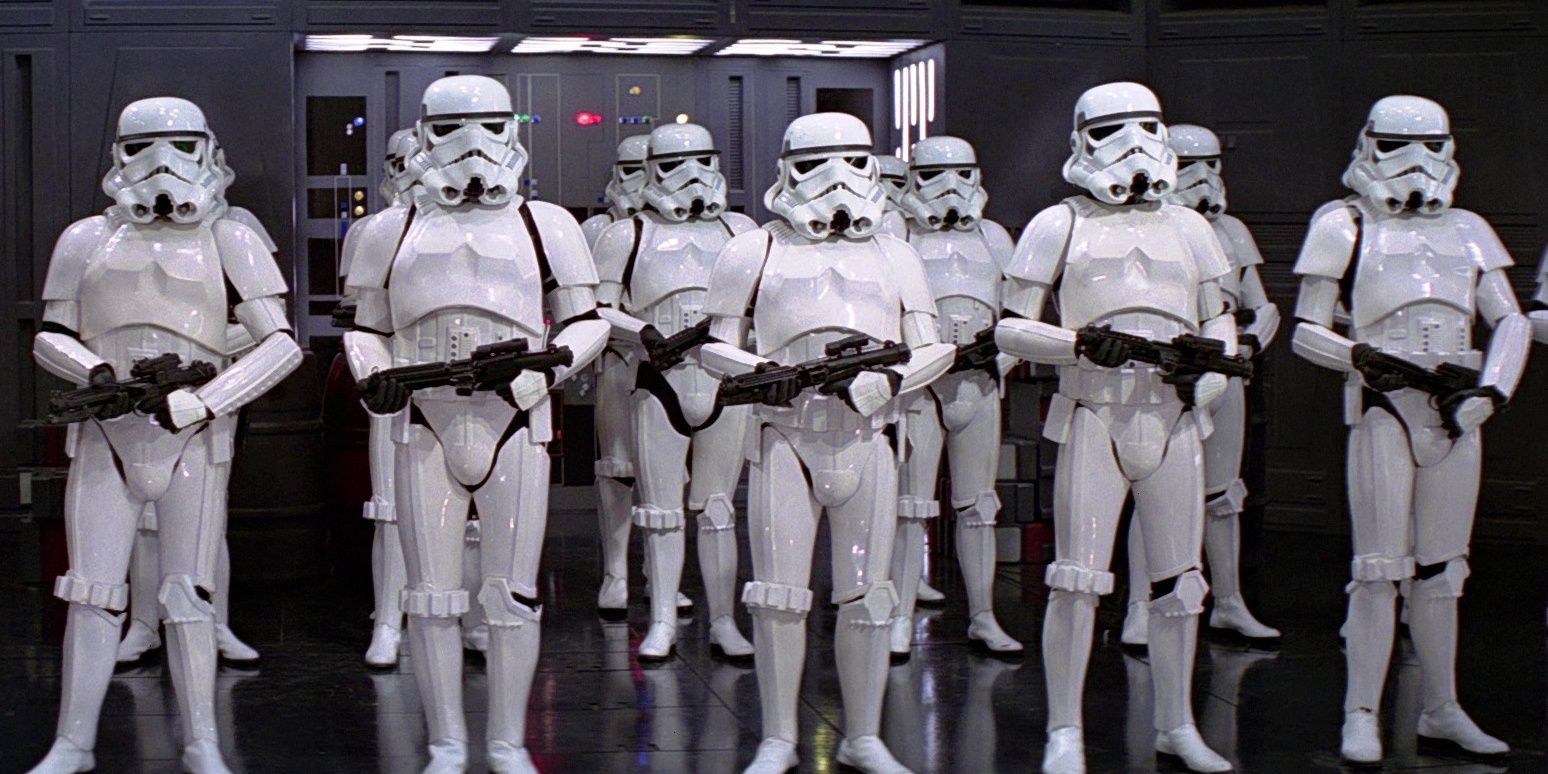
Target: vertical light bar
x=897 y=99
x=930 y=84
x=907 y=121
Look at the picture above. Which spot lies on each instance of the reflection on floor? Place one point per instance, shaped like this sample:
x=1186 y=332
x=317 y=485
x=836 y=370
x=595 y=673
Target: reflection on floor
x=312 y=706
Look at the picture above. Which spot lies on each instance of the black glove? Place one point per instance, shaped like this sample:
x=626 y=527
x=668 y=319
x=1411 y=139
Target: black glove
x=382 y=394
x=103 y=374
x=1368 y=361
x=1105 y=352
x=1250 y=341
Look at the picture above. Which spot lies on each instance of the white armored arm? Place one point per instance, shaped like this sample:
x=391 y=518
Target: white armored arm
x=1036 y=341
x=1325 y=256
x=1029 y=277
x=1265 y=314
x=928 y=357
x=57 y=346
x=1512 y=338
x=573 y=300
x=613 y=250
x=625 y=327
x=585 y=338
x=366 y=353
x=728 y=302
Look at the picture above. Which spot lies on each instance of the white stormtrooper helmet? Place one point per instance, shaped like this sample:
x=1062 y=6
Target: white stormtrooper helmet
x=1118 y=150
x=684 y=168
x=893 y=177
x=1403 y=158
x=946 y=190
x=827 y=181
x=396 y=179
x=625 y=191
x=468 y=153
x=1199 y=186
x=164 y=163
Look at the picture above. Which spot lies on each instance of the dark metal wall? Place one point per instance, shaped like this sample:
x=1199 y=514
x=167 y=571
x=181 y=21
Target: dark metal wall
x=1286 y=82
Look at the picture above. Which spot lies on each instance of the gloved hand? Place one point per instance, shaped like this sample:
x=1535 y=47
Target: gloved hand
x=1103 y=351
x=103 y=374
x=382 y=394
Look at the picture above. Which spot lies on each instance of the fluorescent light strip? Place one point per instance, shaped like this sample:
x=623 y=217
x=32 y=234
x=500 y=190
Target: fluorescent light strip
x=436 y=43
x=672 y=46
x=852 y=49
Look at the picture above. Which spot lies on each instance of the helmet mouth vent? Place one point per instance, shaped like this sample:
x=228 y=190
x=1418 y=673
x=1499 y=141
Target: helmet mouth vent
x=474 y=189
x=951 y=218
x=163 y=206
x=1138 y=187
x=841 y=221
x=1415 y=201
x=696 y=208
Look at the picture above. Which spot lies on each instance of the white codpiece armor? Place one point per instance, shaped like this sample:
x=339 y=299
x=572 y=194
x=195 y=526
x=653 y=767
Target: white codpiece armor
x=963 y=256
x=388 y=574
x=1419 y=273
x=475 y=267
x=615 y=384
x=123 y=287
x=655 y=270
x=1200 y=188
x=1152 y=270
x=800 y=292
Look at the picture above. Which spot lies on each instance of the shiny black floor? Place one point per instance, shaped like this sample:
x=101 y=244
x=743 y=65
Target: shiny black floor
x=312 y=706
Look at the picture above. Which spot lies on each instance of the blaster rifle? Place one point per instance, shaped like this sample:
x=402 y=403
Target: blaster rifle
x=1181 y=361
x=977 y=356
x=777 y=385
x=668 y=352
x=491 y=367
x=150 y=381
x=1448 y=384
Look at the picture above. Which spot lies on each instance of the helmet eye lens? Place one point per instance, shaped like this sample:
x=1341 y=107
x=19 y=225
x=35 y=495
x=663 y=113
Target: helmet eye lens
x=1390 y=146
x=858 y=162
x=928 y=174
x=494 y=127
x=441 y=130
x=1436 y=146
x=629 y=170
x=1100 y=133
x=1150 y=127
x=805 y=166
x=134 y=148
x=965 y=174
x=1182 y=165
x=185 y=146
x=668 y=166
x=1213 y=164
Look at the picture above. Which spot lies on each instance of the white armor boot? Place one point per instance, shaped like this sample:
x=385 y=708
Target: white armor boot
x=963 y=256
x=477 y=266
x=615 y=381
x=654 y=268
x=1422 y=272
x=1120 y=256
x=1200 y=188
x=107 y=305
x=387 y=571
x=820 y=274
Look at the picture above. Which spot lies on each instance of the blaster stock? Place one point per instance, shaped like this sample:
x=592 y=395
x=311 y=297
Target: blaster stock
x=150 y=381
x=777 y=385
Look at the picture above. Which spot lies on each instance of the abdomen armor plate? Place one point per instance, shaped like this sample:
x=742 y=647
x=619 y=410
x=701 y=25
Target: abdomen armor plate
x=157 y=276
x=475 y=260
x=1127 y=261
x=825 y=287
x=672 y=258
x=1408 y=261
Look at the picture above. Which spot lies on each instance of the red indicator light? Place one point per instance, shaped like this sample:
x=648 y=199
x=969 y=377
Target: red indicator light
x=587 y=118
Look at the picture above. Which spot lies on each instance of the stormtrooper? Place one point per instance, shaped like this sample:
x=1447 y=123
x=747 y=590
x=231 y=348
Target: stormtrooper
x=476 y=266
x=1120 y=260
x=387 y=569
x=1199 y=188
x=818 y=276
x=147 y=278
x=143 y=634
x=960 y=412
x=1413 y=273
x=654 y=268
x=892 y=173
x=615 y=385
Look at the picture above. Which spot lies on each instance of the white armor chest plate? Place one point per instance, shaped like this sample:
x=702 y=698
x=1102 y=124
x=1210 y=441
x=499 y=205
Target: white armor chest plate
x=1407 y=262
x=156 y=276
x=672 y=271
x=480 y=259
x=964 y=278
x=827 y=286
x=1127 y=260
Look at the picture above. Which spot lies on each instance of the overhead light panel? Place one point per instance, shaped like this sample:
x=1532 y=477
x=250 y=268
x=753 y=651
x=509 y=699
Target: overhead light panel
x=580 y=44
x=847 y=49
x=461 y=44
